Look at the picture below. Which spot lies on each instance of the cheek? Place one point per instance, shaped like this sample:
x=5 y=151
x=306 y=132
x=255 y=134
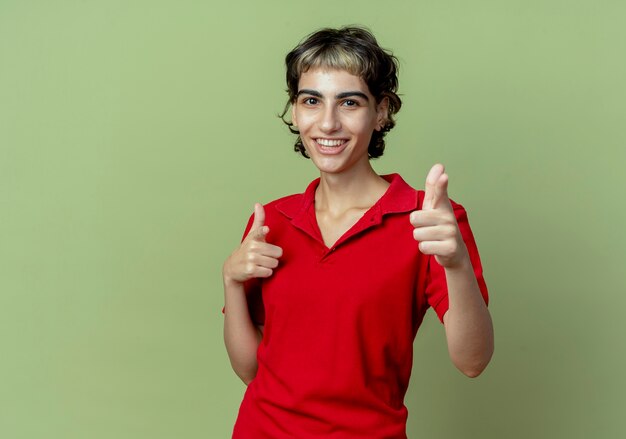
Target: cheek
x=363 y=126
x=303 y=120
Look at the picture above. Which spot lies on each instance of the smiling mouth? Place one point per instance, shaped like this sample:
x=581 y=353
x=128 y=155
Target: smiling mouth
x=332 y=143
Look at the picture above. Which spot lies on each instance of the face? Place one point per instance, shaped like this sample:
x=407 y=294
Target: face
x=336 y=115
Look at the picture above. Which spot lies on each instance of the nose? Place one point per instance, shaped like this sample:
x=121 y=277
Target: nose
x=330 y=120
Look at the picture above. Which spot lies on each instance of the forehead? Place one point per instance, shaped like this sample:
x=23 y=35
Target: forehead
x=331 y=81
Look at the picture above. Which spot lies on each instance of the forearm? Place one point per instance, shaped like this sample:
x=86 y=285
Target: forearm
x=241 y=336
x=469 y=330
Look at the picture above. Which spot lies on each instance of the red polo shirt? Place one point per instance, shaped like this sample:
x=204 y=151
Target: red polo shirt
x=337 y=349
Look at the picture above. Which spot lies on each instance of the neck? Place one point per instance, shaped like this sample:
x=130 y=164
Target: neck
x=356 y=188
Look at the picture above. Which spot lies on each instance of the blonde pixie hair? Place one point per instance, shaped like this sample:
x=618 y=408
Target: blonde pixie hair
x=355 y=50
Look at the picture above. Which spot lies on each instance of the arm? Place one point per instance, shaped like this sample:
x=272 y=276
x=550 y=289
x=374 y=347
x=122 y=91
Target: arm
x=469 y=330
x=241 y=336
x=254 y=258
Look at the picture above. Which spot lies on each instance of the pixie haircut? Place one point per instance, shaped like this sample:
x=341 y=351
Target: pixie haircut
x=355 y=50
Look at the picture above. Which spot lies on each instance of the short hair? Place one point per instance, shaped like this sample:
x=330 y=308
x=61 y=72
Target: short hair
x=355 y=50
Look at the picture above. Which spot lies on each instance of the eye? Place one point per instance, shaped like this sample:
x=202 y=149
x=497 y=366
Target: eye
x=310 y=101
x=350 y=103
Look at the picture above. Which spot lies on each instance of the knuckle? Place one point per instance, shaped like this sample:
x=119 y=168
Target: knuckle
x=249 y=269
x=452 y=247
x=449 y=230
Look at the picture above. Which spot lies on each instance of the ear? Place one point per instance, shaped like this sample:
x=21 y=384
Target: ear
x=293 y=115
x=382 y=113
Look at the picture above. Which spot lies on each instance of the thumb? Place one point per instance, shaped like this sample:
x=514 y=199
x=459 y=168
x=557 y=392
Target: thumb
x=430 y=192
x=258 y=230
x=441 y=191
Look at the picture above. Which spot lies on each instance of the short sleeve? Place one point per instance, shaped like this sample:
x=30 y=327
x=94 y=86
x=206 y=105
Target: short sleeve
x=436 y=287
x=253 y=290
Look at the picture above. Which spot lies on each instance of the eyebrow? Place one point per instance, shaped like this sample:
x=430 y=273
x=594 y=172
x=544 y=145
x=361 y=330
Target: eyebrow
x=341 y=95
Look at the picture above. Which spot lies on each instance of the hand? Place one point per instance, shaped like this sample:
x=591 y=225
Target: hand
x=435 y=225
x=254 y=257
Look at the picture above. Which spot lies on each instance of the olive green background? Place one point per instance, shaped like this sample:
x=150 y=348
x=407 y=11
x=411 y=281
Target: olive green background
x=135 y=137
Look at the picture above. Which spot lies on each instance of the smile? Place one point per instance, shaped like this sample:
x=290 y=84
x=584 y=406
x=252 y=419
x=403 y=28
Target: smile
x=330 y=142
x=331 y=146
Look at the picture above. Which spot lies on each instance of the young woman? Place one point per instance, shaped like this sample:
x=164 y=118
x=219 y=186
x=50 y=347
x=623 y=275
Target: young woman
x=325 y=294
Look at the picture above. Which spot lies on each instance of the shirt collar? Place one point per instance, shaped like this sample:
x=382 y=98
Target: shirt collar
x=399 y=197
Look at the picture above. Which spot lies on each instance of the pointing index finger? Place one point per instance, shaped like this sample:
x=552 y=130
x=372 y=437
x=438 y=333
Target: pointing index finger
x=259 y=234
x=430 y=189
x=441 y=190
x=258 y=229
x=259 y=216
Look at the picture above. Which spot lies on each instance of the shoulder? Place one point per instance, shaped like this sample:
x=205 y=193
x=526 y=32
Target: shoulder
x=288 y=206
x=287 y=199
x=292 y=205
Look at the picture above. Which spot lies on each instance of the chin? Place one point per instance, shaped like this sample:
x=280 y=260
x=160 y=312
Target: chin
x=333 y=165
x=328 y=168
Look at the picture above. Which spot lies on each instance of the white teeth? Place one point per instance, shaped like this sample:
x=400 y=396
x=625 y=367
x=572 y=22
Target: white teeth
x=328 y=142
